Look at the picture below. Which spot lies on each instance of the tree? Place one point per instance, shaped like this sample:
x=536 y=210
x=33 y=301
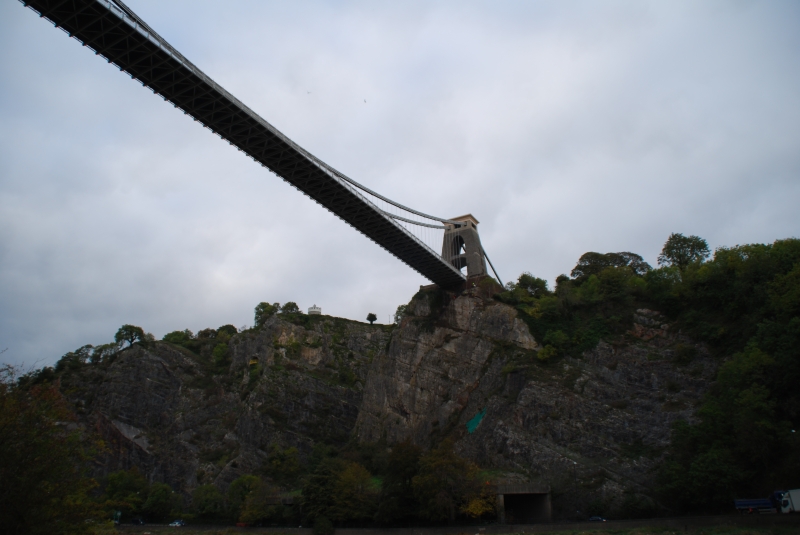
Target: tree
x=228 y=329
x=130 y=334
x=592 y=263
x=635 y=262
x=208 y=501
x=207 y=334
x=371 y=318
x=74 y=359
x=220 y=355
x=179 y=337
x=283 y=465
x=355 y=498
x=238 y=492
x=265 y=311
x=680 y=250
x=44 y=487
x=161 y=500
x=743 y=302
x=535 y=286
x=445 y=483
x=260 y=503
x=290 y=308
x=399 y=313
x=397 y=496
x=482 y=503
x=102 y=352
x=125 y=491
x=319 y=489
x=337 y=490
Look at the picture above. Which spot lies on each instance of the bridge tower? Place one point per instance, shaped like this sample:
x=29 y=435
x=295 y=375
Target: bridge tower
x=462 y=246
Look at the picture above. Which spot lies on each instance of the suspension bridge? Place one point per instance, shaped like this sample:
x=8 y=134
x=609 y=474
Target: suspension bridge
x=114 y=32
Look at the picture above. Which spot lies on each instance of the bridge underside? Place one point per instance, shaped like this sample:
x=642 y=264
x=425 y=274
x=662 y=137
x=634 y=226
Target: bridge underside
x=136 y=50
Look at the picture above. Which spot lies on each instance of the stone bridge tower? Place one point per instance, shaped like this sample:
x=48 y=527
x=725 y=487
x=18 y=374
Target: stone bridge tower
x=462 y=246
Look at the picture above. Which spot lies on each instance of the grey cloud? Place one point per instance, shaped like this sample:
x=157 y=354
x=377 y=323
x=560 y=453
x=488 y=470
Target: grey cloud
x=564 y=127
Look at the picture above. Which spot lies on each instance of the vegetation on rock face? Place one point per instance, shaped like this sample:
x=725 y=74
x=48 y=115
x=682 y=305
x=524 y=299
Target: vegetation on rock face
x=44 y=486
x=744 y=303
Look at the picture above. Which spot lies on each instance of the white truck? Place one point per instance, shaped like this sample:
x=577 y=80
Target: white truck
x=790 y=502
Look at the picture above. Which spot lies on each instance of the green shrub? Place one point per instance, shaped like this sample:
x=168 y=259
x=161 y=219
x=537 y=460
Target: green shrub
x=557 y=339
x=181 y=338
x=220 y=355
x=546 y=353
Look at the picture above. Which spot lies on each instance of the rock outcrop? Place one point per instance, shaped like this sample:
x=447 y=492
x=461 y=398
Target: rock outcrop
x=183 y=420
x=463 y=366
x=596 y=426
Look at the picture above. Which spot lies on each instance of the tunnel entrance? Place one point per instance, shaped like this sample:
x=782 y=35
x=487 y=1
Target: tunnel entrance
x=524 y=504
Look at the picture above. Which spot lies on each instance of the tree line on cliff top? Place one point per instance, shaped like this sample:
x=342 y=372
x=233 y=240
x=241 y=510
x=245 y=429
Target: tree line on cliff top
x=743 y=303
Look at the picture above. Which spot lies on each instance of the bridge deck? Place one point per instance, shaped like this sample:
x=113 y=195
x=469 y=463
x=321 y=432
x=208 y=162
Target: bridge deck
x=115 y=33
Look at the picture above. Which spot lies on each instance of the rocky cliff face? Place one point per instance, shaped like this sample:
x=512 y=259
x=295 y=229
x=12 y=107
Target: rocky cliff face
x=592 y=427
x=182 y=419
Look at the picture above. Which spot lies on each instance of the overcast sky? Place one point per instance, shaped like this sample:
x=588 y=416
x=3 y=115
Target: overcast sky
x=564 y=127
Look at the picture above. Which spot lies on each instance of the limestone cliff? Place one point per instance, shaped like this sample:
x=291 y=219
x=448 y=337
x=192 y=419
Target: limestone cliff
x=593 y=427
x=180 y=419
